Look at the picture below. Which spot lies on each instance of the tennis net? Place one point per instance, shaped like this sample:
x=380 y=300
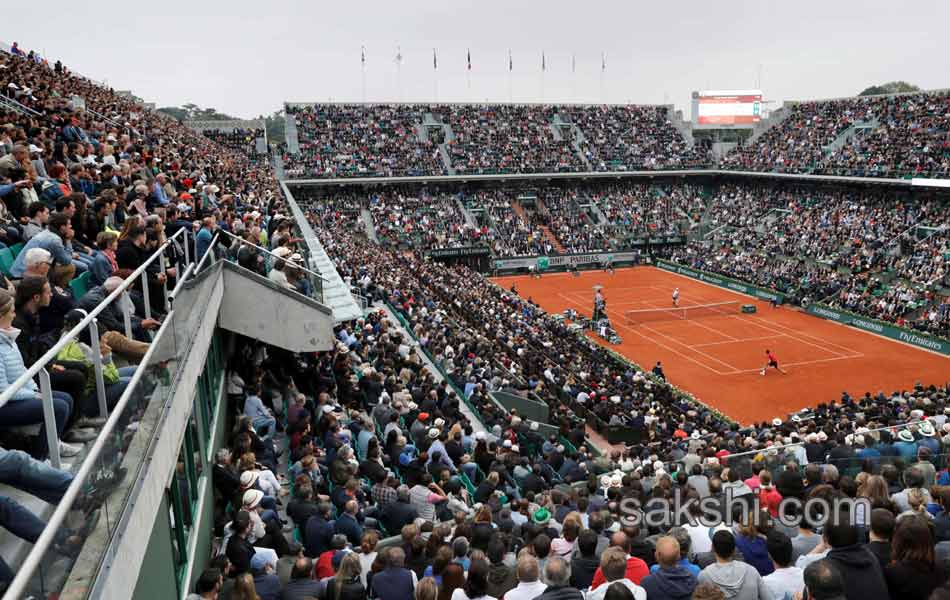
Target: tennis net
x=652 y=315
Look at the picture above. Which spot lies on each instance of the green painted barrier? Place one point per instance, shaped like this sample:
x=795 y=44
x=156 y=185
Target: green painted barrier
x=888 y=330
x=723 y=282
x=533 y=410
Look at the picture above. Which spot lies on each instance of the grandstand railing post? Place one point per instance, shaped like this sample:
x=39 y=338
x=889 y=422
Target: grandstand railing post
x=186 y=243
x=126 y=302
x=97 y=365
x=145 y=295
x=164 y=268
x=49 y=418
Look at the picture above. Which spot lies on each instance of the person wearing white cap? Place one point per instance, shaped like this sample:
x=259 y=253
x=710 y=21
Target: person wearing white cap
x=277 y=274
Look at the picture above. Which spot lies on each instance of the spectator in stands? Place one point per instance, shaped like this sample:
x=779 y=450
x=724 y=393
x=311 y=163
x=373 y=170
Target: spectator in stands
x=26 y=405
x=785 y=578
x=557 y=574
x=670 y=579
x=346 y=584
x=395 y=582
x=914 y=572
x=736 y=579
x=54 y=241
x=861 y=571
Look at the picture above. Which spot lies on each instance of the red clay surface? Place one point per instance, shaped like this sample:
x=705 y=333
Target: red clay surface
x=718 y=357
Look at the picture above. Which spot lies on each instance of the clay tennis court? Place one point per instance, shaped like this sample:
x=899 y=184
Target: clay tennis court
x=718 y=353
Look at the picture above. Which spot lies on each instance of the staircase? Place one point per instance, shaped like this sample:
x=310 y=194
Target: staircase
x=776 y=117
x=290 y=132
x=595 y=210
x=520 y=211
x=577 y=137
x=676 y=119
x=469 y=218
x=446 y=160
x=550 y=237
x=848 y=134
x=367 y=218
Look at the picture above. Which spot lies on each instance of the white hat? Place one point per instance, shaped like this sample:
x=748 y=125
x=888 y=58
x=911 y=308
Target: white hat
x=927 y=429
x=252 y=498
x=515 y=448
x=36 y=149
x=695 y=434
x=534 y=426
x=440 y=422
x=905 y=435
x=506 y=444
x=658 y=466
x=480 y=435
x=282 y=252
x=776 y=422
x=433 y=433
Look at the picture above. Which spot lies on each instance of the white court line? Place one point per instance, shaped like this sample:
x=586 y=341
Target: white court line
x=817 y=339
x=673 y=339
x=800 y=363
x=793 y=337
x=716 y=331
x=822 y=340
x=755 y=339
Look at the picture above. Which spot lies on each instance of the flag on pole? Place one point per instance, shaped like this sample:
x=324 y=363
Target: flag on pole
x=511 y=65
x=435 y=62
x=543 y=63
x=469 y=59
x=363 y=56
x=398 y=58
x=573 y=63
x=603 y=61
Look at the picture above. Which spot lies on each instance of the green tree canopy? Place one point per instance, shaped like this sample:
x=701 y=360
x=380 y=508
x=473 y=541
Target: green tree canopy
x=891 y=87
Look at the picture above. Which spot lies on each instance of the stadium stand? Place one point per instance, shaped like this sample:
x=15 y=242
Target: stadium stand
x=384 y=468
x=894 y=136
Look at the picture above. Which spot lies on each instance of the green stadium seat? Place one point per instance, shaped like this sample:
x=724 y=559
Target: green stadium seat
x=6 y=261
x=80 y=285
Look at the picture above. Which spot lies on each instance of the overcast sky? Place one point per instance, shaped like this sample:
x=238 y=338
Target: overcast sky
x=247 y=57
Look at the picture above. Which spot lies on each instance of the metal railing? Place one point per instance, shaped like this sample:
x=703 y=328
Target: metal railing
x=317 y=280
x=34 y=560
x=90 y=322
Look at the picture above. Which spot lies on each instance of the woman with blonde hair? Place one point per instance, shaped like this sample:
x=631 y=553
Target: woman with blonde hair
x=346 y=584
x=427 y=589
x=244 y=588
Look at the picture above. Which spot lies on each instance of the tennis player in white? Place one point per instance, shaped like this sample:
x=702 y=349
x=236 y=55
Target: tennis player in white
x=676 y=297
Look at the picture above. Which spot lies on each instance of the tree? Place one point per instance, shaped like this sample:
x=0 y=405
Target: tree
x=275 y=125
x=891 y=87
x=193 y=112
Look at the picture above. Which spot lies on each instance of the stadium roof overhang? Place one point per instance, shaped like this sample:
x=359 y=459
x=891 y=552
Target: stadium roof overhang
x=683 y=173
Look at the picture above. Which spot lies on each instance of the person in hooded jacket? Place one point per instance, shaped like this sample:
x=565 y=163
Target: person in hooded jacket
x=737 y=580
x=585 y=562
x=671 y=581
x=501 y=577
x=861 y=570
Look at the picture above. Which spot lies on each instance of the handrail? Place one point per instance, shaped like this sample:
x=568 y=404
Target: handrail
x=208 y=252
x=17 y=105
x=54 y=351
x=38 y=551
x=301 y=267
x=781 y=446
x=112 y=122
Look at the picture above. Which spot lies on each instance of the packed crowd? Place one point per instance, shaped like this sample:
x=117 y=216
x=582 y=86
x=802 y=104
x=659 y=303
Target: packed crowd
x=521 y=532
x=499 y=138
x=243 y=141
x=90 y=192
x=357 y=140
x=340 y=140
x=907 y=137
x=858 y=250
x=632 y=138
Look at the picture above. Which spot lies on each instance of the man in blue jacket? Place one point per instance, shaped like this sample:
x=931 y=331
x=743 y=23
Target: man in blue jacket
x=671 y=581
x=320 y=529
x=348 y=525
